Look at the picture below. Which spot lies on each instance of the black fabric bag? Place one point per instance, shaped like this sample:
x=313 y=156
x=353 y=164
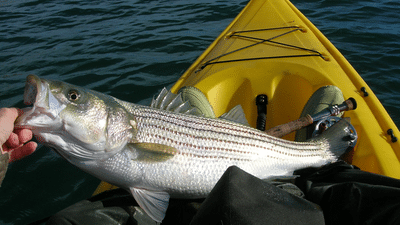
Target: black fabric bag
x=237 y=198
x=348 y=195
x=345 y=194
x=240 y=198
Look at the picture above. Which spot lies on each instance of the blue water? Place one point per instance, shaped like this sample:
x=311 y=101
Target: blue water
x=131 y=49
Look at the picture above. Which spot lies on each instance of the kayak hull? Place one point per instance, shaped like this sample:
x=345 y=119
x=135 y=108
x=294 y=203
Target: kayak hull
x=272 y=48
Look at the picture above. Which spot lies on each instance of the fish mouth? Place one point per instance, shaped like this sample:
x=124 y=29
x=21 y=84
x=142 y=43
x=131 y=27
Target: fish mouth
x=33 y=95
x=32 y=89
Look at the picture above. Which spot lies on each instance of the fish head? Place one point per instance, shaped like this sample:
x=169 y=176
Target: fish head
x=75 y=121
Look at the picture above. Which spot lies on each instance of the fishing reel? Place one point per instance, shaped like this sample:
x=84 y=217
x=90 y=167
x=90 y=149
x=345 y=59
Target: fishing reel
x=329 y=121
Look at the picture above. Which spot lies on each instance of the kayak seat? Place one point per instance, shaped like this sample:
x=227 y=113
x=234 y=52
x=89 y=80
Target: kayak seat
x=323 y=98
x=197 y=99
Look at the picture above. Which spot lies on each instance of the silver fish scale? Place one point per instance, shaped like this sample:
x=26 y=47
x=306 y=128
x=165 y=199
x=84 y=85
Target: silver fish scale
x=207 y=147
x=193 y=151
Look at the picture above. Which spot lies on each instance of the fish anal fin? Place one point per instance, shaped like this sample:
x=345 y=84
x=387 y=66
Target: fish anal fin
x=152 y=152
x=154 y=203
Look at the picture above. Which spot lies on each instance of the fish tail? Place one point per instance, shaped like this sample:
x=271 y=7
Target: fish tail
x=341 y=137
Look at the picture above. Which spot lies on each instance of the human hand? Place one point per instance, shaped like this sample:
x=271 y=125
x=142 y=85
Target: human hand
x=13 y=140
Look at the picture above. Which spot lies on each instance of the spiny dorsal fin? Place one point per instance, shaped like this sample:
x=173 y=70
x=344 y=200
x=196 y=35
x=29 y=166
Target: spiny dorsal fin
x=155 y=103
x=236 y=114
x=169 y=101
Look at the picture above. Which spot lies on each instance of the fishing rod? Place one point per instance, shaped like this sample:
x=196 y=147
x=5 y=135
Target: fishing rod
x=287 y=128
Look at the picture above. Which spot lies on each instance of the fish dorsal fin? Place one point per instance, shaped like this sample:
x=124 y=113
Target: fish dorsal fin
x=169 y=101
x=155 y=102
x=154 y=203
x=236 y=114
x=152 y=152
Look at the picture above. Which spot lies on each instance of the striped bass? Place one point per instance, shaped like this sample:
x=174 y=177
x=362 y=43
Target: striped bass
x=161 y=153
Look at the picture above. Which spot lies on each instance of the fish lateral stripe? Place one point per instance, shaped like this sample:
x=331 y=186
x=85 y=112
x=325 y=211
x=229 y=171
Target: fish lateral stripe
x=240 y=145
x=213 y=124
x=162 y=121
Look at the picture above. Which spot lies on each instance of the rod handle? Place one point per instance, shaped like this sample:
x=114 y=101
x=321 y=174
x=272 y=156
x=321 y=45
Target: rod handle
x=282 y=130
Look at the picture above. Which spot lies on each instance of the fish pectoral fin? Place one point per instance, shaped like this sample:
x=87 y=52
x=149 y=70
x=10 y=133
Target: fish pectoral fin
x=152 y=152
x=154 y=203
x=236 y=114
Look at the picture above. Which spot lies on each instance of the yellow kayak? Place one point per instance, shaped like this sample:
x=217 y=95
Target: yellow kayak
x=271 y=48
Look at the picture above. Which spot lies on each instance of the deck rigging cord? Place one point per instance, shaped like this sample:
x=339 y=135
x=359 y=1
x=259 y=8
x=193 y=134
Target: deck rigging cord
x=237 y=34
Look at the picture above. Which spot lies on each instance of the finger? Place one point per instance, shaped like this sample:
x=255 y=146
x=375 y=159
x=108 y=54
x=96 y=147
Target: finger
x=7 y=118
x=22 y=151
x=24 y=135
x=11 y=113
x=13 y=141
x=4 y=149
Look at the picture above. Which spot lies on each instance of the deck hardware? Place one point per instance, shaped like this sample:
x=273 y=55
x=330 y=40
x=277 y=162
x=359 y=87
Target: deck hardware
x=261 y=102
x=251 y=35
x=364 y=91
x=390 y=132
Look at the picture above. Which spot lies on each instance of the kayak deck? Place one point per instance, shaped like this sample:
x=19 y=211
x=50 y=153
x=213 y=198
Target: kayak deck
x=271 y=48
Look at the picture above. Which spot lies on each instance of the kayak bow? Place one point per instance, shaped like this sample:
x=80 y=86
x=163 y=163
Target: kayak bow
x=271 y=48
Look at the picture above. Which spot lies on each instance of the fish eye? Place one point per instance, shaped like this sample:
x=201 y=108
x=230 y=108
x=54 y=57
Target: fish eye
x=73 y=95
